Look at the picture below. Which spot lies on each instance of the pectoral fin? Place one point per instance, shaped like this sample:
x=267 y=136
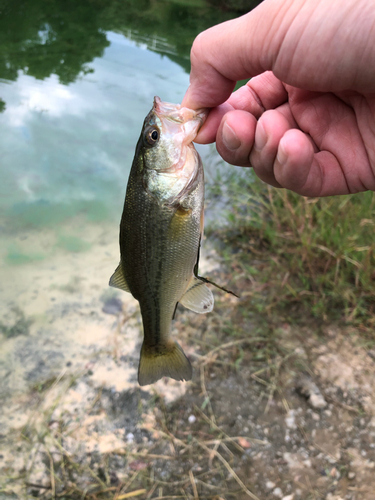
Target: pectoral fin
x=118 y=280
x=198 y=297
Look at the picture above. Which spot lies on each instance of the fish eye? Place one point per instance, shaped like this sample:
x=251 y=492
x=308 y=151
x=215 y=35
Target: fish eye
x=152 y=136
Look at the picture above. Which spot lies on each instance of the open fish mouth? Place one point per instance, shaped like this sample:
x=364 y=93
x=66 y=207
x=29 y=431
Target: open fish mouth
x=178 y=128
x=192 y=120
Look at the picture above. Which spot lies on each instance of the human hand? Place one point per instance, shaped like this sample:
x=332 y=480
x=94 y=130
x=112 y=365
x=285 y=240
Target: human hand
x=307 y=121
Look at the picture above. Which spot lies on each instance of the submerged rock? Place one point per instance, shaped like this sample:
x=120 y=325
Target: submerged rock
x=112 y=305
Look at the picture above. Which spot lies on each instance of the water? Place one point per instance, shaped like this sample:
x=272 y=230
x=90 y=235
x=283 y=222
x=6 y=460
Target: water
x=76 y=81
x=69 y=147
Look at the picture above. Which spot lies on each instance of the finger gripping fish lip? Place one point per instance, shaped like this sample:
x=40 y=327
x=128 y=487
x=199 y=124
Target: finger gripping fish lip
x=175 y=112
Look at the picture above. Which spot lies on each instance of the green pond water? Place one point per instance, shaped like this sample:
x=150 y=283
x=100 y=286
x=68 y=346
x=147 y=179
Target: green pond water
x=76 y=81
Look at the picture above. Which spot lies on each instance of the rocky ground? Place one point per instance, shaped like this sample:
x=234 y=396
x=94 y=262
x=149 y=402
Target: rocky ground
x=282 y=412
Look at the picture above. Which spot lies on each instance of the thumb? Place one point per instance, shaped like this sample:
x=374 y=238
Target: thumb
x=234 y=50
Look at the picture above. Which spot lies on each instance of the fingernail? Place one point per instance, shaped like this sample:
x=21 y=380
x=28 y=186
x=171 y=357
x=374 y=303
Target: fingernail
x=260 y=137
x=281 y=156
x=230 y=139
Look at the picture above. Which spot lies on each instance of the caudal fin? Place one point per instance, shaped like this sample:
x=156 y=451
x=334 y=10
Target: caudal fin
x=166 y=361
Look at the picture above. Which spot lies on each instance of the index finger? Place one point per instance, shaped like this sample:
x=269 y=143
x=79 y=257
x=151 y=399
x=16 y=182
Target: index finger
x=261 y=93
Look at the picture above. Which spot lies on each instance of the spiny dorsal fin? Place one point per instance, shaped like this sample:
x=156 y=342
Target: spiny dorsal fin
x=118 y=280
x=205 y=280
x=198 y=297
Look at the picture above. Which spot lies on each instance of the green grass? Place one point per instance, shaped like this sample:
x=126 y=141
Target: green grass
x=297 y=251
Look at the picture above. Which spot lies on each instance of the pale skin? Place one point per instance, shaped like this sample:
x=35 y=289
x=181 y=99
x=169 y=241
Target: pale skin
x=306 y=119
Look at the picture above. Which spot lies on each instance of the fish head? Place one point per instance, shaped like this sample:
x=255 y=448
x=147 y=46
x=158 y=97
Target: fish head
x=166 y=142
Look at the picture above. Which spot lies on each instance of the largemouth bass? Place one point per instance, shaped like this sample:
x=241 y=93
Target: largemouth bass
x=160 y=234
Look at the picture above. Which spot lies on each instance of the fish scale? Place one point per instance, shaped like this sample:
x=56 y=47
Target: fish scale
x=160 y=233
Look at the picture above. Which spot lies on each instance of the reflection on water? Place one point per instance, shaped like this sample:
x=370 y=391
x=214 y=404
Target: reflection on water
x=76 y=81
x=63 y=37
x=74 y=144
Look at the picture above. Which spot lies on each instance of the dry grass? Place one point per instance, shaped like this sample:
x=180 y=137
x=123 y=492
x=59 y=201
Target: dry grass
x=200 y=457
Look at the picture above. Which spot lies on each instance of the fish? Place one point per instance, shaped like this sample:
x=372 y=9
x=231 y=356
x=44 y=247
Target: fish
x=160 y=236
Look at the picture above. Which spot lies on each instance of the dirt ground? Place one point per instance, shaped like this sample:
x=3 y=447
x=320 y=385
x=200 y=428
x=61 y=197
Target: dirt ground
x=282 y=412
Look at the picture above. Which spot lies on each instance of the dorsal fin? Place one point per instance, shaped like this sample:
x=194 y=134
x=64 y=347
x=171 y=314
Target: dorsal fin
x=205 y=280
x=118 y=279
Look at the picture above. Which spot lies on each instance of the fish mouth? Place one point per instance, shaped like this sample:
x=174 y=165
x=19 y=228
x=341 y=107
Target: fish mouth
x=192 y=119
x=179 y=127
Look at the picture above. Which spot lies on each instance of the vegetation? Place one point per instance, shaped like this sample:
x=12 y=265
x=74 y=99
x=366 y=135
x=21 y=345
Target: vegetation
x=239 y=6
x=41 y=38
x=299 y=256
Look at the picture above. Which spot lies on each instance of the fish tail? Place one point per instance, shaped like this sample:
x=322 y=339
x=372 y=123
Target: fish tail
x=168 y=360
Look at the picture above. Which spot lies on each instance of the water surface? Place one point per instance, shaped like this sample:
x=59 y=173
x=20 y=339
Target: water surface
x=76 y=81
